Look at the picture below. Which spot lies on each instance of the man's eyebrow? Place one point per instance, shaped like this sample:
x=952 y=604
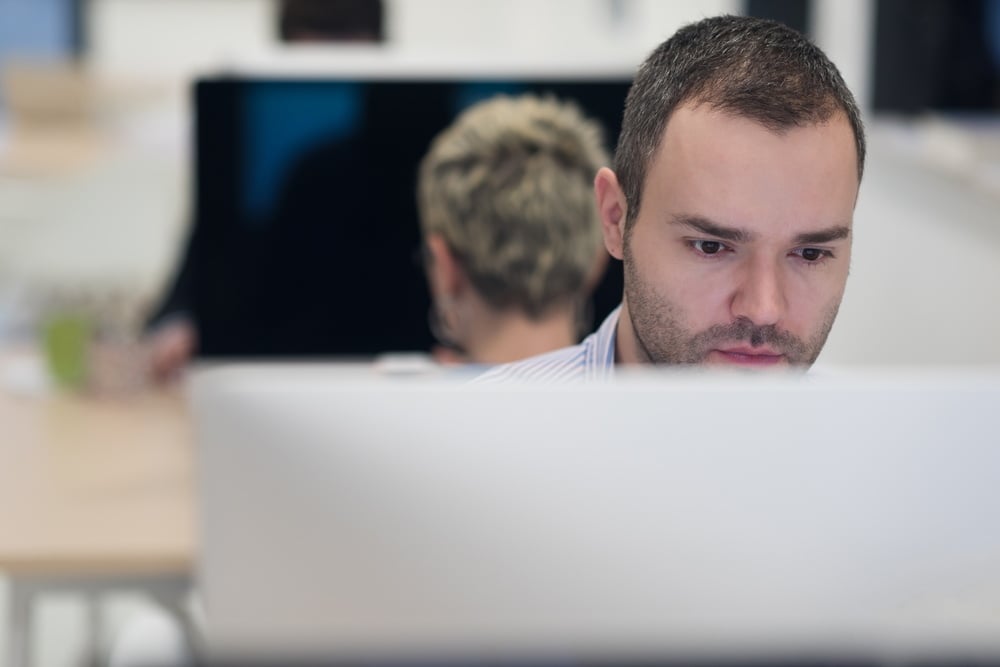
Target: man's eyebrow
x=823 y=235
x=706 y=226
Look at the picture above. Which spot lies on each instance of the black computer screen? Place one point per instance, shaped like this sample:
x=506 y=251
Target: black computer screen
x=305 y=238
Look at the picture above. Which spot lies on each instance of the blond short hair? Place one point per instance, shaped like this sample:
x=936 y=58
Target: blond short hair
x=509 y=186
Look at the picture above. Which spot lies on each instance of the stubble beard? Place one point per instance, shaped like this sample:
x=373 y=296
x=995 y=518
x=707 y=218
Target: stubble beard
x=663 y=338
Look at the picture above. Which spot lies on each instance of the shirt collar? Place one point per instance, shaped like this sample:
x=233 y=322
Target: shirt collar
x=601 y=353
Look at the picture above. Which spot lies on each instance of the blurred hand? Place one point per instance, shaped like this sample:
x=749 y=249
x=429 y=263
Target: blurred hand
x=171 y=346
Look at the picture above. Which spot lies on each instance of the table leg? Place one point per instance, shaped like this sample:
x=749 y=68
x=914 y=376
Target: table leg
x=172 y=599
x=19 y=639
x=169 y=589
x=92 y=649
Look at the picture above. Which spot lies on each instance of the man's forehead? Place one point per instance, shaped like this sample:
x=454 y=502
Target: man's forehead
x=706 y=148
x=734 y=170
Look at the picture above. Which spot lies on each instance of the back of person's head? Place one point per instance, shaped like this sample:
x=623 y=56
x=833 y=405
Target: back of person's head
x=509 y=188
x=749 y=67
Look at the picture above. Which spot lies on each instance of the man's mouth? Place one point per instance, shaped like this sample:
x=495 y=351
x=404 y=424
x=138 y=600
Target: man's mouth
x=746 y=356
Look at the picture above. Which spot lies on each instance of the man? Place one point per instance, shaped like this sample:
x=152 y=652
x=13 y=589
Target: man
x=511 y=232
x=731 y=205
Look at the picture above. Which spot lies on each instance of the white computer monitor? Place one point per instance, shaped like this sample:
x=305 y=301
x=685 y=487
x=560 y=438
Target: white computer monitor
x=344 y=514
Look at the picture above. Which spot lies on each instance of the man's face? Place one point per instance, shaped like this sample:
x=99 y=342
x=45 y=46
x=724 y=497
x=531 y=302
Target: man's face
x=741 y=248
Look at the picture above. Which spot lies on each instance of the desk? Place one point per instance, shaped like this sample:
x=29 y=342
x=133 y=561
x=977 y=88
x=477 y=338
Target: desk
x=94 y=493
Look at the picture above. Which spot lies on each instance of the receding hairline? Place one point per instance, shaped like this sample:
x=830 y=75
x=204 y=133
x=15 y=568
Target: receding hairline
x=717 y=100
x=834 y=113
x=825 y=116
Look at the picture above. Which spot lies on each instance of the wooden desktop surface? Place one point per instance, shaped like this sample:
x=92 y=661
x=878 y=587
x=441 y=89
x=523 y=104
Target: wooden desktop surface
x=96 y=485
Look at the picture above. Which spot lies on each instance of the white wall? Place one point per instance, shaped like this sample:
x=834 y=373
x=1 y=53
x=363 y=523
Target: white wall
x=621 y=29
x=171 y=38
x=177 y=37
x=925 y=272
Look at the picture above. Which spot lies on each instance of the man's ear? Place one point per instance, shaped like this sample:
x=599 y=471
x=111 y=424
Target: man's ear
x=613 y=209
x=444 y=273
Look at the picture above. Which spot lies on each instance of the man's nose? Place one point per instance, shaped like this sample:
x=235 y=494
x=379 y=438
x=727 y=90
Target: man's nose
x=760 y=294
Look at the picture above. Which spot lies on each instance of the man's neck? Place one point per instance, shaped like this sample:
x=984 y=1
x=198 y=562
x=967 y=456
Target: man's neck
x=511 y=335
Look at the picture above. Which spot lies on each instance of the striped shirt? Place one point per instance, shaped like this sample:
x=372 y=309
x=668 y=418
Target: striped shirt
x=593 y=359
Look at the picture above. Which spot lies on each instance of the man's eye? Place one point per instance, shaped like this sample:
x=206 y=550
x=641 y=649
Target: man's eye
x=813 y=255
x=708 y=247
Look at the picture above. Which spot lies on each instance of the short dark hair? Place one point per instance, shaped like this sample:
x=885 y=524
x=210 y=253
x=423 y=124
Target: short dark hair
x=750 y=67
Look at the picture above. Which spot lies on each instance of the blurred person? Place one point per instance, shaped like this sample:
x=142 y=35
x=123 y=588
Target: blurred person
x=731 y=204
x=510 y=230
x=172 y=334
x=508 y=280
x=171 y=344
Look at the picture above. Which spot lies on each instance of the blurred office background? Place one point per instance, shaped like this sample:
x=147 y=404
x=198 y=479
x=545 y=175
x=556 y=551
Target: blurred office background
x=95 y=149
x=95 y=143
x=95 y=146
